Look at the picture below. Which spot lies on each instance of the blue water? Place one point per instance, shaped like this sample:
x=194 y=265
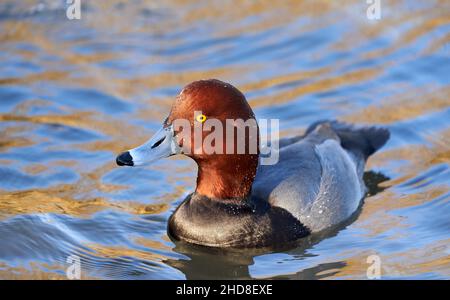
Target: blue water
x=75 y=93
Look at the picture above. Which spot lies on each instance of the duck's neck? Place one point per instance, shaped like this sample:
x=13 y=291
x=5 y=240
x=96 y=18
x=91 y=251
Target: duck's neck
x=226 y=176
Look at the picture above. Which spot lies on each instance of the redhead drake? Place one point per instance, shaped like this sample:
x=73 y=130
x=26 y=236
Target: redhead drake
x=240 y=202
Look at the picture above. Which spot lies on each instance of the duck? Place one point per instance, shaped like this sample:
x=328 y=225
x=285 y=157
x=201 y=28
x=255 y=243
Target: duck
x=240 y=202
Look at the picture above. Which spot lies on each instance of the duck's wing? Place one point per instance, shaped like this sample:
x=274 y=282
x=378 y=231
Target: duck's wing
x=284 y=142
x=318 y=178
x=359 y=140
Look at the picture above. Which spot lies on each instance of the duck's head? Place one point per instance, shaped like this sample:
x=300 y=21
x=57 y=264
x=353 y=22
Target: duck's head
x=227 y=169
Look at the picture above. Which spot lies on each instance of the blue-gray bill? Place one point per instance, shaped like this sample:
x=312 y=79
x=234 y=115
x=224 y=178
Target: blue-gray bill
x=162 y=144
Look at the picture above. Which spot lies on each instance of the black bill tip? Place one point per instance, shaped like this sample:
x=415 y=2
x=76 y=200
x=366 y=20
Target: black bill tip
x=124 y=159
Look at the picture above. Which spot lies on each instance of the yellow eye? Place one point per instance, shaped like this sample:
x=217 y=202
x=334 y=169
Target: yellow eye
x=200 y=118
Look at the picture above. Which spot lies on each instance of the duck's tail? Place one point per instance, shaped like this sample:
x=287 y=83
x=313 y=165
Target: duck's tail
x=357 y=139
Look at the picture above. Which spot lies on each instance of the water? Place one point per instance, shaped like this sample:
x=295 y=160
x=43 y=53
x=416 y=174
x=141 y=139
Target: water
x=73 y=94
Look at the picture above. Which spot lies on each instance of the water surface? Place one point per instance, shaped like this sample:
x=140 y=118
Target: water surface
x=73 y=94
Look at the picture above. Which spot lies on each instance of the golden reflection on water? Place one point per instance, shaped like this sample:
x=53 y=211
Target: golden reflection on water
x=29 y=202
x=408 y=105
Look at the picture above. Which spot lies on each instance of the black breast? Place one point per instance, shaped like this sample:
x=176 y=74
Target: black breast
x=234 y=223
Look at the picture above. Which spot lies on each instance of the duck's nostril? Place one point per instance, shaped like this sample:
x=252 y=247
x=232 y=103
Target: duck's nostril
x=159 y=142
x=124 y=159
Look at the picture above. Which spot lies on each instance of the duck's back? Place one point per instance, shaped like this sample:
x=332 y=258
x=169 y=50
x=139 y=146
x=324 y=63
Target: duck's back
x=319 y=177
